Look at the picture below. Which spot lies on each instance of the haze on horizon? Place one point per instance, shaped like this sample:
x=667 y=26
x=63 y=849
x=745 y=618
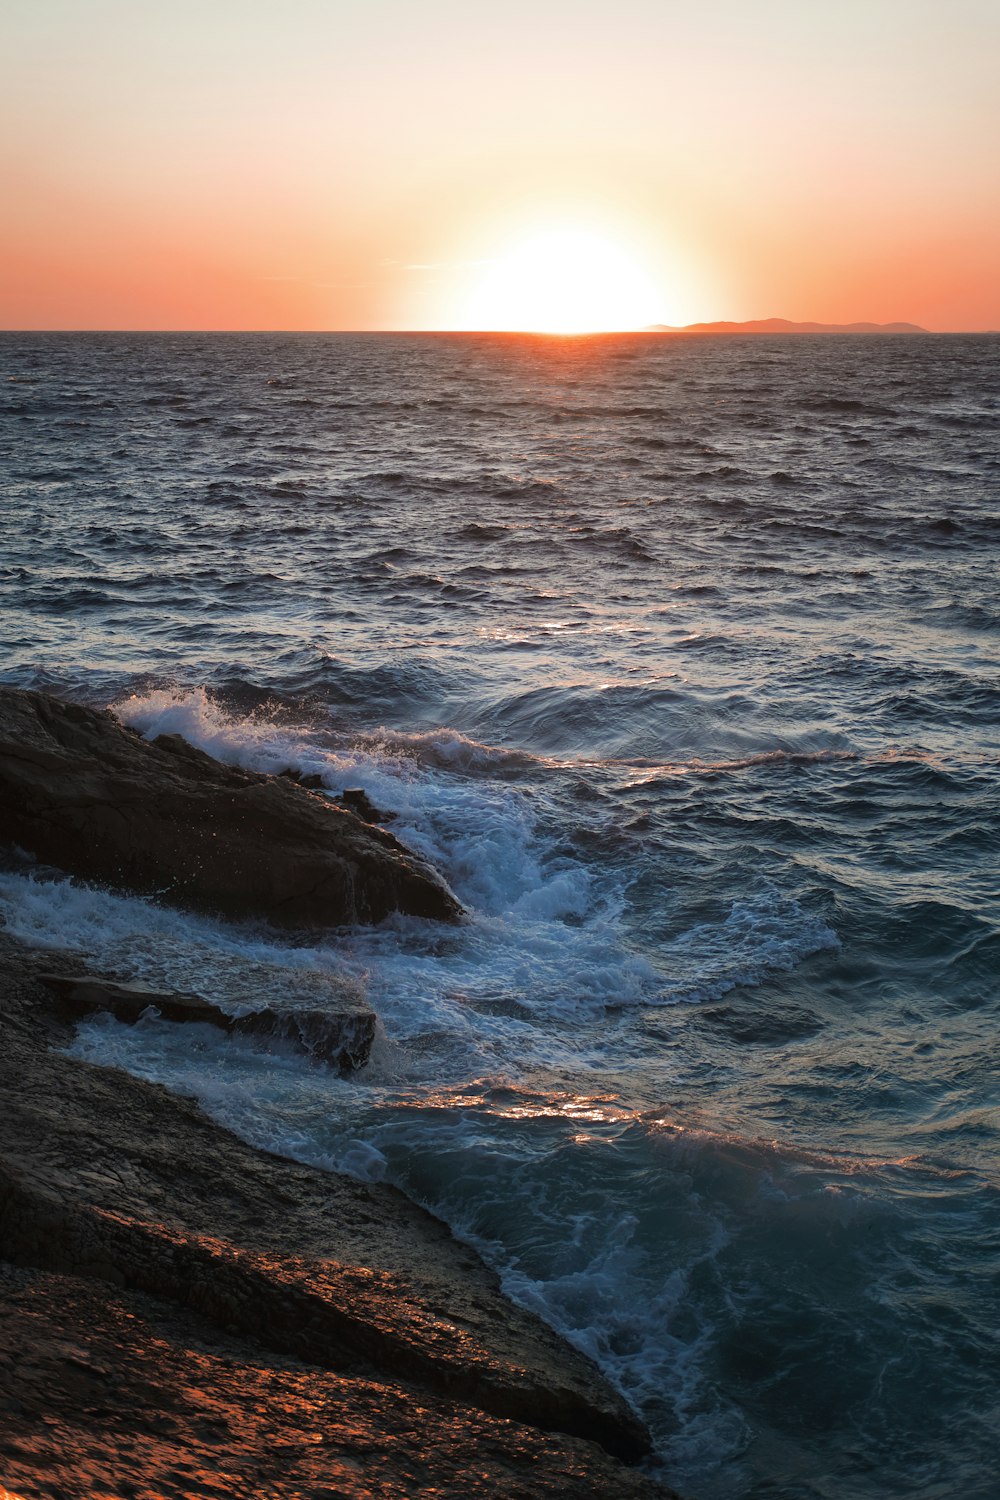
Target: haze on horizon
x=389 y=165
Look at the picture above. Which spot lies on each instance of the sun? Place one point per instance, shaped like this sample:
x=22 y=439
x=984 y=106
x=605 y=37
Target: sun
x=563 y=280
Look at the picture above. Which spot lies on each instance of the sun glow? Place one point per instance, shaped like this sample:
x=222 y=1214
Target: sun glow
x=563 y=281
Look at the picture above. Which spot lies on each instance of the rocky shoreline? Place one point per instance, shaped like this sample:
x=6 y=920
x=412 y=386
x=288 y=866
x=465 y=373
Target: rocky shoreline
x=82 y=792
x=185 y=1315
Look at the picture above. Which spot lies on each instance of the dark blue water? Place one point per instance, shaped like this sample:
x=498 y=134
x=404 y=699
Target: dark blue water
x=681 y=658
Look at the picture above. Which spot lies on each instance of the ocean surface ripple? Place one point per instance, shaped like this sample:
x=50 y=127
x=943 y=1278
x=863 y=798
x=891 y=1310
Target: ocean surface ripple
x=681 y=658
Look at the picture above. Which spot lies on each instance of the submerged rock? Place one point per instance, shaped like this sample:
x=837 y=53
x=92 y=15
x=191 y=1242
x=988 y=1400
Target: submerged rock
x=341 y=1036
x=80 y=791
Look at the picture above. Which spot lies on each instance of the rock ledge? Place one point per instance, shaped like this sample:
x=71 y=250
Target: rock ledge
x=80 y=791
x=181 y=1314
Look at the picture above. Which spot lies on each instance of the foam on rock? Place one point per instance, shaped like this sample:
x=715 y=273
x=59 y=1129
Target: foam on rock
x=80 y=791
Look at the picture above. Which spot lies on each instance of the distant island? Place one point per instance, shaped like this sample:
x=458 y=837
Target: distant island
x=782 y=325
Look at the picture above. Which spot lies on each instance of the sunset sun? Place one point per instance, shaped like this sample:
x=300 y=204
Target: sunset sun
x=562 y=281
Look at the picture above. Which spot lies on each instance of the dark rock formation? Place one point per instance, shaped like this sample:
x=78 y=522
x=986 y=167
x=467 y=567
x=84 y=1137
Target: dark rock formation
x=80 y=791
x=357 y=801
x=311 y=780
x=163 y=1277
x=354 y=798
x=111 y=1392
x=342 y=1037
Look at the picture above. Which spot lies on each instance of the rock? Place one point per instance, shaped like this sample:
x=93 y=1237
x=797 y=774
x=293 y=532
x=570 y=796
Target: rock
x=341 y=1037
x=163 y=1402
x=121 y=1195
x=357 y=801
x=311 y=780
x=83 y=793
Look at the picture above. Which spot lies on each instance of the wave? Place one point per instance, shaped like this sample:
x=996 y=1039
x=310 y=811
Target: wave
x=850 y=405
x=539 y=914
x=265 y=730
x=963 y=615
x=477 y=531
x=761 y=936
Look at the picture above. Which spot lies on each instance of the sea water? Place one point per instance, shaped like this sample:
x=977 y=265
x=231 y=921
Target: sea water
x=680 y=658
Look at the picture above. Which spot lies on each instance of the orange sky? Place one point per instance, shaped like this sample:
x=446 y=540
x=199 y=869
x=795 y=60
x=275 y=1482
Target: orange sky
x=337 y=164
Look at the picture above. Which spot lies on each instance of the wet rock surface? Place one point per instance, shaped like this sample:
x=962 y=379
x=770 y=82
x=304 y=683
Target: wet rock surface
x=186 y=1315
x=80 y=791
x=115 y=1393
x=357 y=801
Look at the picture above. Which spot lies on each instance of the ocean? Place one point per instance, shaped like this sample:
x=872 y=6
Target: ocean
x=680 y=657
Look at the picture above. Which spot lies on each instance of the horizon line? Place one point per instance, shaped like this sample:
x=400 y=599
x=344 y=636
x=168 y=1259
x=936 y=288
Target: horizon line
x=703 y=329
x=540 y=333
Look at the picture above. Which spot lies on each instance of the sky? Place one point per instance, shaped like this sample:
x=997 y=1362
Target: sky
x=406 y=164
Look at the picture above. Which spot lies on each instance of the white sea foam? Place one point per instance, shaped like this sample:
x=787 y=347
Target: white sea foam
x=518 y=990
x=483 y=836
x=765 y=934
x=255 y=742
x=544 y=942
x=130 y=938
x=270 y=1096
